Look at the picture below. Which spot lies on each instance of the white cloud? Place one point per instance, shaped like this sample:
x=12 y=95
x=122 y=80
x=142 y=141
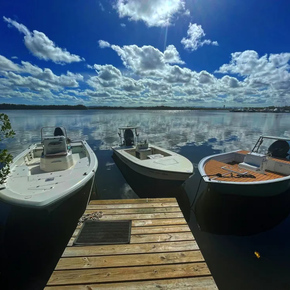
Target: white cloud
x=206 y=78
x=30 y=78
x=171 y=55
x=132 y=86
x=260 y=72
x=42 y=47
x=107 y=72
x=152 y=12
x=7 y=65
x=194 y=40
x=147 y=59
x=103 y=44
x=108 y=76
x=176 y=74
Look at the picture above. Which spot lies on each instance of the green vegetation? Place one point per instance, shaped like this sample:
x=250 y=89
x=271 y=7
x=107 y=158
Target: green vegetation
x=5 y=158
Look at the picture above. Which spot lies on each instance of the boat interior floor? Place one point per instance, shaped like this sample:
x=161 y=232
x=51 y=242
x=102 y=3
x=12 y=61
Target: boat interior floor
x=231 y=172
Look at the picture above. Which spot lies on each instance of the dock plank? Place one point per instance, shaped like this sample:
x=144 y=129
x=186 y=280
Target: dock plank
x=93 y=206
x=200 y=283
x=162 y=253
x=136 y=273
x=129 y=260
x=135 y=230
x=153 y=238
x=130 y=249
x=132 y=201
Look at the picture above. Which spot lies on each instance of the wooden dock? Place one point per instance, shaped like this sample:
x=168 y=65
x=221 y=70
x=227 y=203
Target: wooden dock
x=162 y=253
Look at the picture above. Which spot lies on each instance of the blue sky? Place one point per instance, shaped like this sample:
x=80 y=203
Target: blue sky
x=145 y=52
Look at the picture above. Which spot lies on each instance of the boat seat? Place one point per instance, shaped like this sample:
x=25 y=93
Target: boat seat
x=155 y=156
x=254 y=162
x=55 y=146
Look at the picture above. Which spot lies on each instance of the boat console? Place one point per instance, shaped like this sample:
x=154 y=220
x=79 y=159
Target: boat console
x=56 y=155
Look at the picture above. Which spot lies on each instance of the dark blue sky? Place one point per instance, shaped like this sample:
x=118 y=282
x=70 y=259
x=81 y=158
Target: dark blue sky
x=145 y=52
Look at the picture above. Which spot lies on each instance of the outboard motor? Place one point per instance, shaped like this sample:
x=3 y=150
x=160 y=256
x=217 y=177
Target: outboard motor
x=58 y=132
x=129 y=137
x=279 y=149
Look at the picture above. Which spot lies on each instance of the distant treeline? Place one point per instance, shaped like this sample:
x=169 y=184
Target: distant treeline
x=41 y=107
x=82 y=107
x=152 y=108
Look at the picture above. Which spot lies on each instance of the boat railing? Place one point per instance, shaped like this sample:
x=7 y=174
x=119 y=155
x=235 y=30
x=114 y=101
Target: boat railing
x=49 y=131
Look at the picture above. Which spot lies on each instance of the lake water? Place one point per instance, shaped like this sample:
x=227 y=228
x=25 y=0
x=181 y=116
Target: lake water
x=229 y=230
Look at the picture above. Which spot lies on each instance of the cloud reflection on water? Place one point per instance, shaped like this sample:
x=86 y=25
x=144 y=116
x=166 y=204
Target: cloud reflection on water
x=173 y=130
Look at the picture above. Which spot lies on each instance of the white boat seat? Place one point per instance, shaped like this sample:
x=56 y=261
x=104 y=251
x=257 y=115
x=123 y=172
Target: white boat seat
x=55 y=146
x=254 y=162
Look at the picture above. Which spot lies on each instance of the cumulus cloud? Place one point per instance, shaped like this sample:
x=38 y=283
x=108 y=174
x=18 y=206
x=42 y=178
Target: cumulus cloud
x=176 y=74
x=7 y=65
x=194 y=37
x=107 y=72
x=30 y=78
x=42 y=47
x=206 y=78
x=103 y=44
x=146 y=59
x=152 y=12
x=171 y=55
x=260 y=72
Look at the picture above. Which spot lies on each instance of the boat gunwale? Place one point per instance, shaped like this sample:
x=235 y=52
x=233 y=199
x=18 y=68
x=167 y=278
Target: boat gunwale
x=120 y=150
x=205 y=177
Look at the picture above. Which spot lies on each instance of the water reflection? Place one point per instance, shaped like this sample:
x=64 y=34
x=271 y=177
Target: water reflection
x=225 y=214
x=173 y=130
x=149 y=187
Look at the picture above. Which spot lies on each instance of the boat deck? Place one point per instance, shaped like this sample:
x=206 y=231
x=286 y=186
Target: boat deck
x=162 y=253
x=231 y=172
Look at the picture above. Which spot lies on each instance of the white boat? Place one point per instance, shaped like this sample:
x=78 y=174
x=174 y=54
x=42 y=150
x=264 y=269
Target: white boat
x=151 y=161
x=263 y=171
x=50 y=172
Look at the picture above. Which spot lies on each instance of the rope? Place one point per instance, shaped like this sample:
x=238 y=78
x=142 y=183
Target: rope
x=196 y=192
x=231 y=175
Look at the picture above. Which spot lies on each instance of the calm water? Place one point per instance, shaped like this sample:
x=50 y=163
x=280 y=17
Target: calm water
x=228 y=229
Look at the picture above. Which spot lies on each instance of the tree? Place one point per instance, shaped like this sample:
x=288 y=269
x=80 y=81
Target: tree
x=5 y=158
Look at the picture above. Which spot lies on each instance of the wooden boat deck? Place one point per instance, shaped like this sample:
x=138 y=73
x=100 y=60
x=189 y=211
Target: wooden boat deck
x=162 y=253
x=213 y=167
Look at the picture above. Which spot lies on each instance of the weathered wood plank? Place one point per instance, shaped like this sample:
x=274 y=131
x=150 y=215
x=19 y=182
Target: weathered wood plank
x=130 y=249
x=154 y=238
x=128 y=201
x=132 y=205
x=161 y=215
x=151 y=230
x=196 y=283
x=144 y=210
x=68 y=277
x=129 y=260
x=158 y=222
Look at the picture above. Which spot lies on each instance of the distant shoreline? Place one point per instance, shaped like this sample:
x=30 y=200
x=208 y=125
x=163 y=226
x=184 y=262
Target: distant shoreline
x=271 y=109
x=82 y=107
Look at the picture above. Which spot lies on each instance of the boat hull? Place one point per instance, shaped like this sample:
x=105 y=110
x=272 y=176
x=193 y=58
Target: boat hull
x=259 y=184
x=34 y=238
x=262 y=189
x=164 y=175
x=30 y=186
